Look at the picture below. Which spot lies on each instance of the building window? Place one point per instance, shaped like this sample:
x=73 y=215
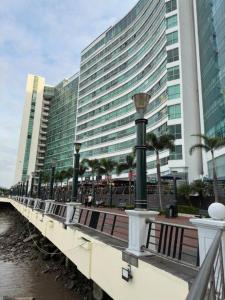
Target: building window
x=173 y=92
x=171 y=22
x=174 y=111
x=176 y=153
x=172 y=38
x=175 y=130
x=172 y=55
x=173 y=73
x=171 y=5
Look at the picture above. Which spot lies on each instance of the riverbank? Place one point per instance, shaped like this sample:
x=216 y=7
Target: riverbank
x=22 y=246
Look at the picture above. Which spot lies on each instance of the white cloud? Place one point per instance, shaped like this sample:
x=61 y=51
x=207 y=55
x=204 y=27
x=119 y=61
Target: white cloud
x=43 y=37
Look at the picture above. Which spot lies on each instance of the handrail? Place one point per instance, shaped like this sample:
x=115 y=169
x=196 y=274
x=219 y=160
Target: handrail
x=105 y=211
x=200 y=285
x=171 y=224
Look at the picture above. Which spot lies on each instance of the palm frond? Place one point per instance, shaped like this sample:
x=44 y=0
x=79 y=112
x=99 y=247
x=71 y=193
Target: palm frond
x=202 y=136
x=220 y=142
x=121 y=168
x=199 y=146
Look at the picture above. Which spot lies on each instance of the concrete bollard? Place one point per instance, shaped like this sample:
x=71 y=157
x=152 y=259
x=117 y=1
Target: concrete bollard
x=138 y=230
x=208 y=228
x=72 y=209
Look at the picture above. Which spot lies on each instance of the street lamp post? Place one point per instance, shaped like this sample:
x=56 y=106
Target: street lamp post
x=52 y=179
x=141 y=101
x=32 y=184
x=39 y=185
x=77 y=147
x=20 y=188
x=23 y=188
x=27 y=184
x=111 y=184
x=137 y=217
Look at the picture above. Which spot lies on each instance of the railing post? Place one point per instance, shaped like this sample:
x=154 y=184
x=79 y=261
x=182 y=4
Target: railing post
x=36 y=203
x=138 y=230
x=28 y=201
x=47 y=206
x=72 y=213
x=208 y=228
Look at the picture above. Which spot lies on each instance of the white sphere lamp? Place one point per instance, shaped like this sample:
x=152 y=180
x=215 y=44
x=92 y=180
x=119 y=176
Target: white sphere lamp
x=217 y=211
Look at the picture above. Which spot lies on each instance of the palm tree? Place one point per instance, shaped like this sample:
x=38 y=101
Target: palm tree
x=45 y=178
x=82 y=169
x=68 y=175
x=129 y=166
x=210 y=144
x=92 y=164
x=106 y=167
x=159 y=143
x=60 y=176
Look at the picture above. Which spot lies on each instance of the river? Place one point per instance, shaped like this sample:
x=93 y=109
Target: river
x=26 y=279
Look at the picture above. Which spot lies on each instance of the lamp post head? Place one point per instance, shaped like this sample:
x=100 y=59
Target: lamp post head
x=53 y=162
x=77 y=147
x=141 y=101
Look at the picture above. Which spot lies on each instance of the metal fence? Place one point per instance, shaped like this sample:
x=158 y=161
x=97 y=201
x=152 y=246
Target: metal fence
x=40 y=205
x=57 y=209
x=176 y=242
x=112 y=224
x=209 y=284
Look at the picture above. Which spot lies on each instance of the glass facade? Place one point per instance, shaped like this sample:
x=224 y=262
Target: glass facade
x=130 y=57
x=211 y=31
x=61 y=124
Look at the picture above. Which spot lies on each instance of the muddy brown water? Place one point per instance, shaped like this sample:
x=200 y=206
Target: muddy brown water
x=25 y=279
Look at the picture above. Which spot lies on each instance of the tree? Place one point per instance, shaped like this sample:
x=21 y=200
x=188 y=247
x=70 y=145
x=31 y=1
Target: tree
x=45 y=178
x=158 y=143
x=210 y=144
x=93 y=165
x=68 y=175
x=129 y=166
x=60 y=176
x=82 y=169
x=106 y=167
x=185 y=190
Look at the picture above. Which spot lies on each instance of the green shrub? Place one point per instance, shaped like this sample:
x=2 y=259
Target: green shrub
x=185 y=209
x=129 y=206
x=161 y=212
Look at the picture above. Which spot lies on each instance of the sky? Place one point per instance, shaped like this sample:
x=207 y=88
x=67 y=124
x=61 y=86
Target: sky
x=43 y=37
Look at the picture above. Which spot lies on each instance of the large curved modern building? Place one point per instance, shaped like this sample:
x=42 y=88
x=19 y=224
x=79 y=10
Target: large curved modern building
x=152 y=49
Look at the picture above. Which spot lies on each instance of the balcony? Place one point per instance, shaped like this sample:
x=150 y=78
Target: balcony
x=41 y=144
x=42 y=138
x=43 y=132
x=43 y=125
x=44 y=119
x=40 y=164
x=45 y=113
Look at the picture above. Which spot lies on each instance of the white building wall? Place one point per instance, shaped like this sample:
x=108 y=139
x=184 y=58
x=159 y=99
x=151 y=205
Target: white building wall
x=24 y=129
x=36 y=125
x=204 y=155
x=190 y=103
